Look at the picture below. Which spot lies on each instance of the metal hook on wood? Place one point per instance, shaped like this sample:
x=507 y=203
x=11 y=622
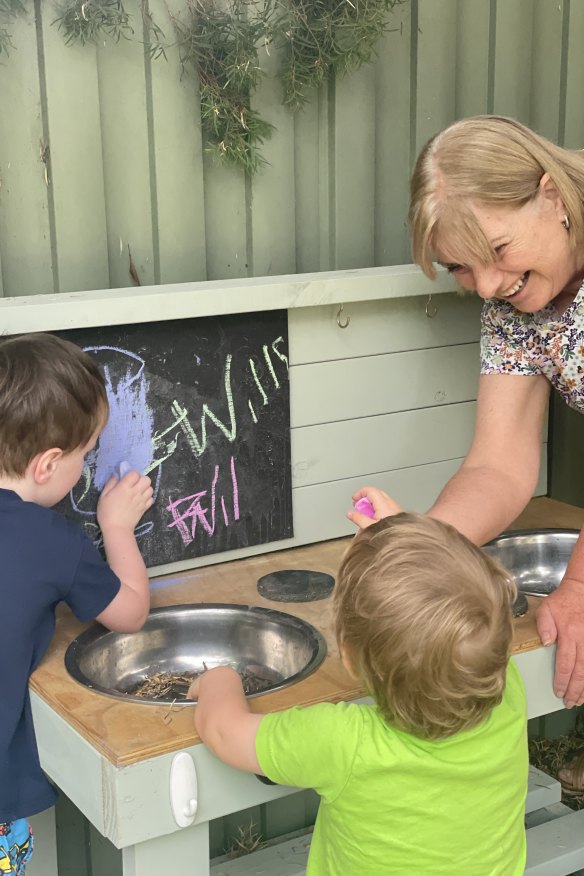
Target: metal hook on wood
x=431 y=308
x=342 y=323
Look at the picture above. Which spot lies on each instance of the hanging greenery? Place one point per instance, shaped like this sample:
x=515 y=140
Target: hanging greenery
x=220 y=41
x=221 y=45
x=8 y=8
x=320 y=38
x=87 y=21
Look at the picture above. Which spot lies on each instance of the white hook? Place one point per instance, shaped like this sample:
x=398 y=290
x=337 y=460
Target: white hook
x=342 y=323
x=431 y=308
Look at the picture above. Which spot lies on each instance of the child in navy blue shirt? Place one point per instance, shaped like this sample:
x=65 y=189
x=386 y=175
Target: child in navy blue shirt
x=53 y=406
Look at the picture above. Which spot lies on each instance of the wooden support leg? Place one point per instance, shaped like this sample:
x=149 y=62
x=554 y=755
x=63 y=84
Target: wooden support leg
x=185 y=852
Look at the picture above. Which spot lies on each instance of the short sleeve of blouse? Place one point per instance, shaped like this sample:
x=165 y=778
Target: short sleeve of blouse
x=506 y=339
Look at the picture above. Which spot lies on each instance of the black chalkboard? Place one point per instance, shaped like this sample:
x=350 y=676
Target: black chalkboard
x=203 y=407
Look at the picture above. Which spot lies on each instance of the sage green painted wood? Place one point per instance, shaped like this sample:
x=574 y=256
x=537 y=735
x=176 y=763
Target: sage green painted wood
x=176 y=161
x=435 y=42
x=185 y=852
x=354 y=170
x=185 y=300
x=272 y=221
x=574 y=118
x=128 y=194
x=328 y=452
x=76 y=162
x=390 y=326
x=547 y=67
x=371 y=385
x=25 y=234
x=392 y=144
x=473 y=37
x=513 y=59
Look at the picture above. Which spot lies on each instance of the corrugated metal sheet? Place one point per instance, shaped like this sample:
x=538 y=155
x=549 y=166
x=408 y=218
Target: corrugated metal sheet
x=126 y=172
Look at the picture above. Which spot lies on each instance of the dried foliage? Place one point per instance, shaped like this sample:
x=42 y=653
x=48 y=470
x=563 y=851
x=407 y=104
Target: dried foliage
x=550 y=755
x=221 y=46
x=246 y=841
x=162 y=685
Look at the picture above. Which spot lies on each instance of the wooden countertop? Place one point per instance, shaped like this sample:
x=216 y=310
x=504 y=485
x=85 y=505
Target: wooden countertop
x=126 y=733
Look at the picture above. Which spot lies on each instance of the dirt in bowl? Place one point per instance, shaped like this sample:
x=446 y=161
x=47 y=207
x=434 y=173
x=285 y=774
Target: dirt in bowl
x=169 y=685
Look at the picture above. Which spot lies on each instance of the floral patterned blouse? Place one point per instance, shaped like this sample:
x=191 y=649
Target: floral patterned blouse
x=537 y=343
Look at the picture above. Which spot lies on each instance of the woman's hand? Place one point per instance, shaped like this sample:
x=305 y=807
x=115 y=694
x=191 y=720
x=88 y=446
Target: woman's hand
x=560 y=618
x=383 y=506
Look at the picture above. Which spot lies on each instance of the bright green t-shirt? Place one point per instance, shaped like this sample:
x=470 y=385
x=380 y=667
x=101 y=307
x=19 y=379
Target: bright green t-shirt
x=398 y=805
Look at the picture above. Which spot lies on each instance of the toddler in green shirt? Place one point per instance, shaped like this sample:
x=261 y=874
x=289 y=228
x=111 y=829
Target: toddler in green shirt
x=431 y=779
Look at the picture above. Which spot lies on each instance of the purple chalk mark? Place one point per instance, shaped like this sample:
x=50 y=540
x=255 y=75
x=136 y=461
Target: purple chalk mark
x=128 y=432
x=235 y=490
x=364 y=506
x=225 y=517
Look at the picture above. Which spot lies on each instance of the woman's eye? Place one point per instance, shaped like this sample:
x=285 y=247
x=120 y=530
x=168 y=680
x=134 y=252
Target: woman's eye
x=500 y=249
x=455 y=269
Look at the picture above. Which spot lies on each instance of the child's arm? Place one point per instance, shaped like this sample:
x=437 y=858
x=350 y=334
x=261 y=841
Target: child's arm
x=120 y=507
x=223 y=719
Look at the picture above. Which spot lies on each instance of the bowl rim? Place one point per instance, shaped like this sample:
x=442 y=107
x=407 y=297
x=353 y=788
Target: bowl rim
x=97 y=631
x=514 y=533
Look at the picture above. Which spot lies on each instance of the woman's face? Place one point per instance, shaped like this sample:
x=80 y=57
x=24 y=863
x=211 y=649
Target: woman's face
x=534 y=262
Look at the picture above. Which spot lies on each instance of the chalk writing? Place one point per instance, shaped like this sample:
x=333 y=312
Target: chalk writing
x=202 y=407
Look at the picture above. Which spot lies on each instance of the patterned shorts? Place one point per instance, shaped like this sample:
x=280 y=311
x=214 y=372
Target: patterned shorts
x=16 y=845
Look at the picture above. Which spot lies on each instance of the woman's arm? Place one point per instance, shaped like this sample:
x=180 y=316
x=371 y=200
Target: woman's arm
x=499 y=474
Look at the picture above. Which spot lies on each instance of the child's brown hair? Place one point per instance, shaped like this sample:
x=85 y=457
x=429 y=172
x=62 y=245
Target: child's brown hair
x=425 y=618
x=52 y=394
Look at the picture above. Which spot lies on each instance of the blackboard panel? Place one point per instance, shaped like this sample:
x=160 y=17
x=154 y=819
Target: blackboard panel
x=203 y=407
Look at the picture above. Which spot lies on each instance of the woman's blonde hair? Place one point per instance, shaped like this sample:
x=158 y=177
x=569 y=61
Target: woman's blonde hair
x=485 y=160
x=425 y=618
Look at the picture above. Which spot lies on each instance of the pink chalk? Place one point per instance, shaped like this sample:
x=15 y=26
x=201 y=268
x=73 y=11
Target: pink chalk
x=364 y=506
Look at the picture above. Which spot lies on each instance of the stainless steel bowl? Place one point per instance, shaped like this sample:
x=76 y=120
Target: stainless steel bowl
x=279 y=647
x=537 y=558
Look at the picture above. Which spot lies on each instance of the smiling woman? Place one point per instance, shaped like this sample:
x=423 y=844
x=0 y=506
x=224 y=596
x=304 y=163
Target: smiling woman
x=503 y=210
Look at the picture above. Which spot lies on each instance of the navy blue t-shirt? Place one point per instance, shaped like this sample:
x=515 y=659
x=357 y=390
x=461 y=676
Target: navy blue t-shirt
x=44 y=559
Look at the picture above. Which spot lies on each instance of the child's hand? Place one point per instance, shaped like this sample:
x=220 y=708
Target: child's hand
x=218 y=677
x=383 y=505
x=123 y=502
x=193 y=691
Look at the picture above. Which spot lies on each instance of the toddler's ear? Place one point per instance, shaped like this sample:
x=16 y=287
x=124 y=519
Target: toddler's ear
x=43 y=465
x=348 y=662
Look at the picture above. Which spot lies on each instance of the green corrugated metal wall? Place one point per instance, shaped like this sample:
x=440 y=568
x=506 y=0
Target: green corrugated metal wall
x=127 y=166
